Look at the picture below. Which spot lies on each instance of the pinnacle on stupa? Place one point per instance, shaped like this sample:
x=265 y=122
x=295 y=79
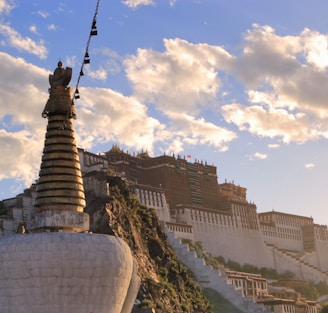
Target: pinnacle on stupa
x=60 y=198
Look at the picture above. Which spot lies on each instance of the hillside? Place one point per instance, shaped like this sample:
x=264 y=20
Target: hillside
x=166 y=284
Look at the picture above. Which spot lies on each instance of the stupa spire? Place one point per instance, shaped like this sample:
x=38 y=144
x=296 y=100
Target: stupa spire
x=60 y=198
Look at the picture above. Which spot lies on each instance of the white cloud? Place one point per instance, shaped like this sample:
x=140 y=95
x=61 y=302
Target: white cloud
x=126 y=121
x=20 y=155
x=33 y=29
x=286 y=98
x=14 y=39
x=99 y=74
x=200 y=132
x=272 y=123
x=271 y=99
x=315 y=48
x=43 y=14
x=23 y=86
x=183 y=79
x=285 y=95
x=287 y=67
x=113 y=61
x=284 y=79
x=258 y=156
x=175 y=146
x=105 y=115
x=5 y=7
x=52 y=27
x=309 y=165
x=70 y=61
x=266 y=55
x=21 y=81
x=273 y=146
x=135 y=3
x=181 y=82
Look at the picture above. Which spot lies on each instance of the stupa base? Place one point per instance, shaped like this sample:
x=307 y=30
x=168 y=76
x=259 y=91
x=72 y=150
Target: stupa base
x=59 y=220
x=58 y=272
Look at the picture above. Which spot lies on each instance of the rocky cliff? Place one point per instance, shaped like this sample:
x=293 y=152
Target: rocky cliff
x=166 y=284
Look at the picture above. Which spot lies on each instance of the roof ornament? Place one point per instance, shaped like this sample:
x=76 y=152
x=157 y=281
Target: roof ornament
x=61 y=76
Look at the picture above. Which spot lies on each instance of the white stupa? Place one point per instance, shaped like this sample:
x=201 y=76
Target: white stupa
x=58 y=267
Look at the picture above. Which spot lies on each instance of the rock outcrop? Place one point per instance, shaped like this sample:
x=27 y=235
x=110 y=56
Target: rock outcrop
x=166 y=284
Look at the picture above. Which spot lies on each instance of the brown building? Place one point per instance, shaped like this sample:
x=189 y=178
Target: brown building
x=184 y=182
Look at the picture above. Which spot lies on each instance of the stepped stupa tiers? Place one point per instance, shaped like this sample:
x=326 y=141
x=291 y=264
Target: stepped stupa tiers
x=58 y=267
x=60 y=196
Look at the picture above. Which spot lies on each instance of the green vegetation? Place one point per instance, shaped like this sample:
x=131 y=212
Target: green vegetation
x=219 y=303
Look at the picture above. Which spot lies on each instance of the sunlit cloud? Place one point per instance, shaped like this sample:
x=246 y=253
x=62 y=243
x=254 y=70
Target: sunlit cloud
x=24 y=149
x=183 y=79
x=273 y=146
x=309 y=165
x=315 y=48
x=21 y=143
x=272 y=123
x=283 y=100
x=5 y=7
x=258 y=156
x=195 y=131
x=99 y=74
x=14 y=39
x=104 y=109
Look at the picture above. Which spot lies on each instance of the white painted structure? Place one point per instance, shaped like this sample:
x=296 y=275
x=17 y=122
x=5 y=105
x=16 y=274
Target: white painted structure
x=65 y=272
x=223 y=234
x=153 y=198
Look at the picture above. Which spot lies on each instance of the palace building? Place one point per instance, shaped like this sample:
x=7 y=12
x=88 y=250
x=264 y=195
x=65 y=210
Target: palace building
x=191 y=202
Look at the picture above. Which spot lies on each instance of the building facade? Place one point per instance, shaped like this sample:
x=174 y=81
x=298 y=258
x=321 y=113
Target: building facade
x=189 y=200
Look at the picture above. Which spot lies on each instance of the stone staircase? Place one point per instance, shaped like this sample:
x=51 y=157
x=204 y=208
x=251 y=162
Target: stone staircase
x=306 y=270
x=208 y=277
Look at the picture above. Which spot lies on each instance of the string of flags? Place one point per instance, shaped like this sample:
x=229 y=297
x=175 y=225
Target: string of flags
x=86 y=58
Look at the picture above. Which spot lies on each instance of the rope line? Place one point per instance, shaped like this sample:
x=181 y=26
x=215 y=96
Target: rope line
x=86 y=58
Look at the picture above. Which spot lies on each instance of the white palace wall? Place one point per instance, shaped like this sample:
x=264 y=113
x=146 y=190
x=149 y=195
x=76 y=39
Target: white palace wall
x=283 y=239
x=153 y=198
x=221 y=236
x=322 y=254
x=284 y=230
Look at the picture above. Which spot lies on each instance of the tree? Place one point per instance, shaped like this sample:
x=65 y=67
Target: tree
x=322 y=288
x=3 y=209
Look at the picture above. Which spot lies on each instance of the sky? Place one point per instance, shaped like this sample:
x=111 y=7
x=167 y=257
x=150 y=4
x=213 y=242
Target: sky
x=239 y=84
